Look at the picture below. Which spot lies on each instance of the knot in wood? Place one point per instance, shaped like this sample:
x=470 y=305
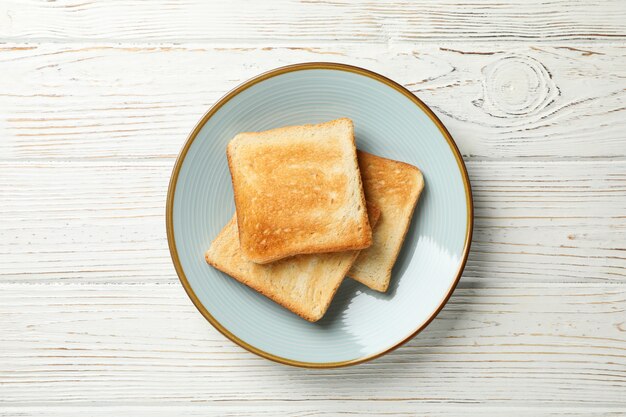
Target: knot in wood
x=516 y=85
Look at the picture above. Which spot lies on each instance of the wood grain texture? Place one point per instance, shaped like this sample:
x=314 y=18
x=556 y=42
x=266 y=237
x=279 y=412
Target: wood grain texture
x=289 y=21
x=498 y=101
x=145 y=344
x=96 y=99
x=103 y=221
x=311 y=409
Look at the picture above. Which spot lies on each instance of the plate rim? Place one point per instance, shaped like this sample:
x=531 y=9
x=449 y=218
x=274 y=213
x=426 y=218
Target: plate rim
x=169 y=209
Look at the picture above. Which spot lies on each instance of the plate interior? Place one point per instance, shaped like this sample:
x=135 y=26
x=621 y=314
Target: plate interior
x=360 y=322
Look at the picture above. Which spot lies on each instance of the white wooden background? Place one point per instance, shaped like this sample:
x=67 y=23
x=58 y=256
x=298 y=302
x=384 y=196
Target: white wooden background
x=97 y=97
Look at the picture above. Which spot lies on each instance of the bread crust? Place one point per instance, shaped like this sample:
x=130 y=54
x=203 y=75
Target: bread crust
x=394 y=187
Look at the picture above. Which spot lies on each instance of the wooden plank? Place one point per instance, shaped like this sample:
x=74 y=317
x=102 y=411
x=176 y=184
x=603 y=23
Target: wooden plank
x=98 y=221
x=272 y=408
x=498 y=101
x=289 y=21
x=145 y=344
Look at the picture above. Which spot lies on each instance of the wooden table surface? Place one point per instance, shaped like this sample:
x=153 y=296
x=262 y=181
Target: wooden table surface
x=97 y=98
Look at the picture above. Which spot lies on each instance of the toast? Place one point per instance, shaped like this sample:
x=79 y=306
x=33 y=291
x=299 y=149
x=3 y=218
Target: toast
x=298 y=190
x=304 y=284
x=394 y=187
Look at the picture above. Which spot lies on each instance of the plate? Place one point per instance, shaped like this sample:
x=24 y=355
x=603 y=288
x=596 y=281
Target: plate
x=360 y=324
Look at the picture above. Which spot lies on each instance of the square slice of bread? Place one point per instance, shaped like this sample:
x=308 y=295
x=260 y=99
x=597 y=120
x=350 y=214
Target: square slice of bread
x=304 y=284
x=394 y=187
x=298 y=190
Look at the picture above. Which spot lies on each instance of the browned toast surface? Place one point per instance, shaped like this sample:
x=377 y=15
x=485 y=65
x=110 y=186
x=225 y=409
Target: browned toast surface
x=298 y=190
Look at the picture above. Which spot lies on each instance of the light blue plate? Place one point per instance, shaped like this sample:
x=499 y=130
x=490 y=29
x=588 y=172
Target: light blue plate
x=389 y=121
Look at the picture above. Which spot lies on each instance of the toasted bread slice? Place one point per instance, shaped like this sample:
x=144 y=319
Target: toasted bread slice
x=394 y=187
x=304 y=284
x=298 y=190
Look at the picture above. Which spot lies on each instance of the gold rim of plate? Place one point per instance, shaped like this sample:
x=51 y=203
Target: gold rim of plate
x=269 y=74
